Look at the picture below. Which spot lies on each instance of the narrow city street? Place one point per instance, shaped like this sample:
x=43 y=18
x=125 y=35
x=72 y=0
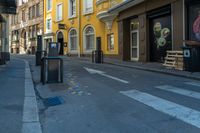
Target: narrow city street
x=102 y=98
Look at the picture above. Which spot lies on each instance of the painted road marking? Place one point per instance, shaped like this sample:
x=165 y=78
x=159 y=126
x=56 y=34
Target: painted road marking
x=193 y=83
x=177 y=90
x=31 y=123
x=180 y=112
x=93 y=71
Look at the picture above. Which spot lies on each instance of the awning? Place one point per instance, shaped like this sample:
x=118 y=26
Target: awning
x=125 y=5
x=8 y=6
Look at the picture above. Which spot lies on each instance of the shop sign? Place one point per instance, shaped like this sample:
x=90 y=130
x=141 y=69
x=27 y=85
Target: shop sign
x=62 y=26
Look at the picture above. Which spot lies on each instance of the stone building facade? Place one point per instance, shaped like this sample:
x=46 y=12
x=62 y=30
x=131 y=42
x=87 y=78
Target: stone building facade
x=25 y=26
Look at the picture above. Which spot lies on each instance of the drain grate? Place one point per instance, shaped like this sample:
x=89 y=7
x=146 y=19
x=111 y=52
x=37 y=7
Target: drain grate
x=53 y=101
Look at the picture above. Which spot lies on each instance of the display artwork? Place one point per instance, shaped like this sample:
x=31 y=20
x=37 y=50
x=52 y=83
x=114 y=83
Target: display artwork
x=196 y=27
x=160 y=34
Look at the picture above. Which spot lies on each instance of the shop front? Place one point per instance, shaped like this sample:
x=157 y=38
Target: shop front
x=149 y=28
x=193 y=20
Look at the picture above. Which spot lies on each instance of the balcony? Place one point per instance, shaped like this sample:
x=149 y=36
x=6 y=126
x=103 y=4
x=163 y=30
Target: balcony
x=102 y=11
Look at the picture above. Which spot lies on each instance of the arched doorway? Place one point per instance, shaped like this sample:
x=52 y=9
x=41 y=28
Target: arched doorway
x=60 y=40
x=24 y=42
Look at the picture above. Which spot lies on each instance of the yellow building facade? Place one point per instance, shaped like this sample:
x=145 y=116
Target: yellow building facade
x=75 y=24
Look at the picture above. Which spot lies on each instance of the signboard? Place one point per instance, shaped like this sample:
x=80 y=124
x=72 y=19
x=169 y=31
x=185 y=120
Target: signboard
x=8 y=6
x=62 y=26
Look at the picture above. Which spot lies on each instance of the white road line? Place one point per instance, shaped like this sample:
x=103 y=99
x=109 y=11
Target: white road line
x=31 y=123
x=180 y=91
x=180 y=112
x=93 y=71
x=114 y=78
x=193 y=83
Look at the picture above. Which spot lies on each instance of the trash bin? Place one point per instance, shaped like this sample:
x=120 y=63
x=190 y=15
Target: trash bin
x=2 y=58
x=191 y=56
x=52 y=70
x=97 y=56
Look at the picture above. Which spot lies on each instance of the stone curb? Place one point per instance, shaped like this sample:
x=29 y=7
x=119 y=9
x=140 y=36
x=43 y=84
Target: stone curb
x=155 y=70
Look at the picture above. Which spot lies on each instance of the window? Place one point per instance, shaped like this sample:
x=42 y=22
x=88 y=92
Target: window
x=33 y=12
x=59 y=12
x=38 y=10
x=73 y=40
x=72 y=8
x=49 y=5
x=48 y=25
x=88 y=6
x=110 y=42
x=23 y=16
x=30 y=13
x=89 y=38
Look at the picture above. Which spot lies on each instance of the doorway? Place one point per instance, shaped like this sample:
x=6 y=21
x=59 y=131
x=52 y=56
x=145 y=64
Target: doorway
x=134 y=44
x=60 y=40
x=160 y=37
x=24 y=42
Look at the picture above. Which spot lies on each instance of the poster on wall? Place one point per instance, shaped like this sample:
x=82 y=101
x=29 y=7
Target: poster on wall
x=194 y=22
x=160 y=37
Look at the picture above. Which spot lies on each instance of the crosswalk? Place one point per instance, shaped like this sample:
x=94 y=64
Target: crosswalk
x=181 y=112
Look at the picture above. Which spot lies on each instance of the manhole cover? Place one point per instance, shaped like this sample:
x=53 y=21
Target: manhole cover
x=53 y=101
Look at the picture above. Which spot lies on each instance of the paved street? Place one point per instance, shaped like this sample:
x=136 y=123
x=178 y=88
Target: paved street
x=112 y=99
x=102 y=103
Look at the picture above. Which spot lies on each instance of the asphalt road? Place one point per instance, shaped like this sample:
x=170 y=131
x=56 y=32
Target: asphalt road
x=111 y=99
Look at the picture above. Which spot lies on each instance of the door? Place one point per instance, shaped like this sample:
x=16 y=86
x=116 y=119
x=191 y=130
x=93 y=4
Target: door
x=60 y=40
x=134 y=45
x=160 y=37
x=134 y=41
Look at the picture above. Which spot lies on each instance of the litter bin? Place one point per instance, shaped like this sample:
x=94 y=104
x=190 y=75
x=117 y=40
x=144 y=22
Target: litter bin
x=97 y=56
x=191 y=56
x=2 y=58
x=52 y=70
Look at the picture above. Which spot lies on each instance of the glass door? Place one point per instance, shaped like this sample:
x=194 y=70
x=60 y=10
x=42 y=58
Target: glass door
x=134 y=41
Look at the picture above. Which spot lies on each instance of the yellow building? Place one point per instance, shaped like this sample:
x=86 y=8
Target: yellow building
x=77 y=23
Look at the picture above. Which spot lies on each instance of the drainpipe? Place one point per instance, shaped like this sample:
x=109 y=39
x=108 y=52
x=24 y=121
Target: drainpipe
x=79 y=28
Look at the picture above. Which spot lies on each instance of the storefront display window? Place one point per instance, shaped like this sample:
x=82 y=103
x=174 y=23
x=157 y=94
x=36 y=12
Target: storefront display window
x=194 y=22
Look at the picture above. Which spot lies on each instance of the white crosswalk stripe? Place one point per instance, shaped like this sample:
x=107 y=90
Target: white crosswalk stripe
x=180 y=112
x=180 y=91
x=193 y=84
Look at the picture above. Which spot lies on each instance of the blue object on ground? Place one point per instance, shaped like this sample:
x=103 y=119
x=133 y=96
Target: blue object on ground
x=53 y=101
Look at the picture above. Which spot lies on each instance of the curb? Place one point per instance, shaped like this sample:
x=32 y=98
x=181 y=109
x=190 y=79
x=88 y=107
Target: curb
x=31 y=123
x=150 y=70
x=155 y=70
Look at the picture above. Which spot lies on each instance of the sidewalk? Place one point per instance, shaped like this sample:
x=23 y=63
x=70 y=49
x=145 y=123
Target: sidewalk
x=149 y=66
x=12 y=96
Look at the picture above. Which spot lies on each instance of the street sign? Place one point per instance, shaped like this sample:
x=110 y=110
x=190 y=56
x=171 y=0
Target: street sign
x=62 y=26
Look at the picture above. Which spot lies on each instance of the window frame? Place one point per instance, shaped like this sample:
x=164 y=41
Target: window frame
x=70 y=11
x=109 y=47
x=48 y=30
x=84 y=39
x=75 y=36
x=59 y=19
x=85 y=12
x=47 y=4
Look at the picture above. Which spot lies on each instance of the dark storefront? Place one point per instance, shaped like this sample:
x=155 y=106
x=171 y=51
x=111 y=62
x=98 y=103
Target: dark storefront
x=6 y=7
x=160 y=28
x=193 y=20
